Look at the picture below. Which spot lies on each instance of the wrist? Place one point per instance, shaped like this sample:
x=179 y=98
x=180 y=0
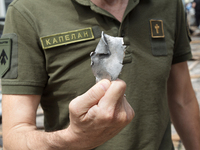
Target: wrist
x=59 y=140
x=74 y=141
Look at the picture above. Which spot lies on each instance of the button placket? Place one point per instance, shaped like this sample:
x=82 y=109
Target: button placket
x=122 y=33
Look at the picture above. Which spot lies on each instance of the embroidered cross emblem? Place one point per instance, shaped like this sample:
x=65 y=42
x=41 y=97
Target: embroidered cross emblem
x=157 y=28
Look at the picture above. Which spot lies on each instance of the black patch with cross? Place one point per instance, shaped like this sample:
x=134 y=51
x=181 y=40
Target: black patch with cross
x=157 y=30
x=158 y=44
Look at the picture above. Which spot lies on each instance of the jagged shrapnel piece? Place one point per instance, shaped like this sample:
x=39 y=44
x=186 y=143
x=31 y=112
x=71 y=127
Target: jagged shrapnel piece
x=107 y=59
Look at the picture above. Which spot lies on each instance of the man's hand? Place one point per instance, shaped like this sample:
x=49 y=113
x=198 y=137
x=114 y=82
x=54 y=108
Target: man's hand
x=99 y=114
x=95 y=117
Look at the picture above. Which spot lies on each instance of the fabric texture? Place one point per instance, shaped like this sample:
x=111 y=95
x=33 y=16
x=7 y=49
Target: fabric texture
x=62 y=73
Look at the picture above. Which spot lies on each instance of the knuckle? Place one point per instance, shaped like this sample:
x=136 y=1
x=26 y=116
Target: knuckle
x=108 y=116
x=130 y=115
x=123 y=118
x=122 y=85
x=73 y=106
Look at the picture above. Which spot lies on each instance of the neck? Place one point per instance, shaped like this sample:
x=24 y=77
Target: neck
x=115 y=7
x=111 y=2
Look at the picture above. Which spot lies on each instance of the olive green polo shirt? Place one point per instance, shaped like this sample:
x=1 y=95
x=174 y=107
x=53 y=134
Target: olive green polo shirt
x=49 y=56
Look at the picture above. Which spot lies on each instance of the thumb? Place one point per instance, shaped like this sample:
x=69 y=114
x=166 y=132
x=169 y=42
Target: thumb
x=83 y=103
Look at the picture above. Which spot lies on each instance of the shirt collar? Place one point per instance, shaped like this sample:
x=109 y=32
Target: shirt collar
x=83 y=2
x=131 y=5
x=87 y=2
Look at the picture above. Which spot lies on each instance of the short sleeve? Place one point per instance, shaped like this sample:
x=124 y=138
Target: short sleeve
x=182 y=49
x=27 y=73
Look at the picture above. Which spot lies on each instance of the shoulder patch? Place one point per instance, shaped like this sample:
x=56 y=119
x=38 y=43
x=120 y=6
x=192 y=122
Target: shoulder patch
x=11 y=66
x=5 y=55
x=67 y=38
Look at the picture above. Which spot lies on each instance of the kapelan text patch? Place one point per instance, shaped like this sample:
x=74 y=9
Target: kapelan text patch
x=67 y=38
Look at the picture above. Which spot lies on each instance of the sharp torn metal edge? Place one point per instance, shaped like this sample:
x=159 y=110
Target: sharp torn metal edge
x=107 y=59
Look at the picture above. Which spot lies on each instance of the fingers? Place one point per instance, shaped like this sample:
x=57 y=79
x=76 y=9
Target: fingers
x=115 y=104
x=84 y=102
x=114 y=94
x=102 y=109
x=129 y=110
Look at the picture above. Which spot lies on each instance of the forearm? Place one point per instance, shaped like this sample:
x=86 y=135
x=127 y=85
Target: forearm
x=185 y=117
x=26 y=137
x=19 y=126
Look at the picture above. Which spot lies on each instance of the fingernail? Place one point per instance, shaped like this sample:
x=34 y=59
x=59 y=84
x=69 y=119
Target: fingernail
x=105 y=84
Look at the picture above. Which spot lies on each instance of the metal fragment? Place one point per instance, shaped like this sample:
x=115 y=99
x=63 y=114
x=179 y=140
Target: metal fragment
x=107 y=59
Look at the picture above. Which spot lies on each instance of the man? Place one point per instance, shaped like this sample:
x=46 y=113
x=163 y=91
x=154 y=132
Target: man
x=196 y=6
x=50 y=64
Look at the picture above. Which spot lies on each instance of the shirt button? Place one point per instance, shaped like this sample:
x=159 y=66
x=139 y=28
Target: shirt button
x=111 y=19
x=123 y=33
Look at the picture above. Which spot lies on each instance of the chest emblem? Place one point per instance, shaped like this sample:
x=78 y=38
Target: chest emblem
x=157 y=30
